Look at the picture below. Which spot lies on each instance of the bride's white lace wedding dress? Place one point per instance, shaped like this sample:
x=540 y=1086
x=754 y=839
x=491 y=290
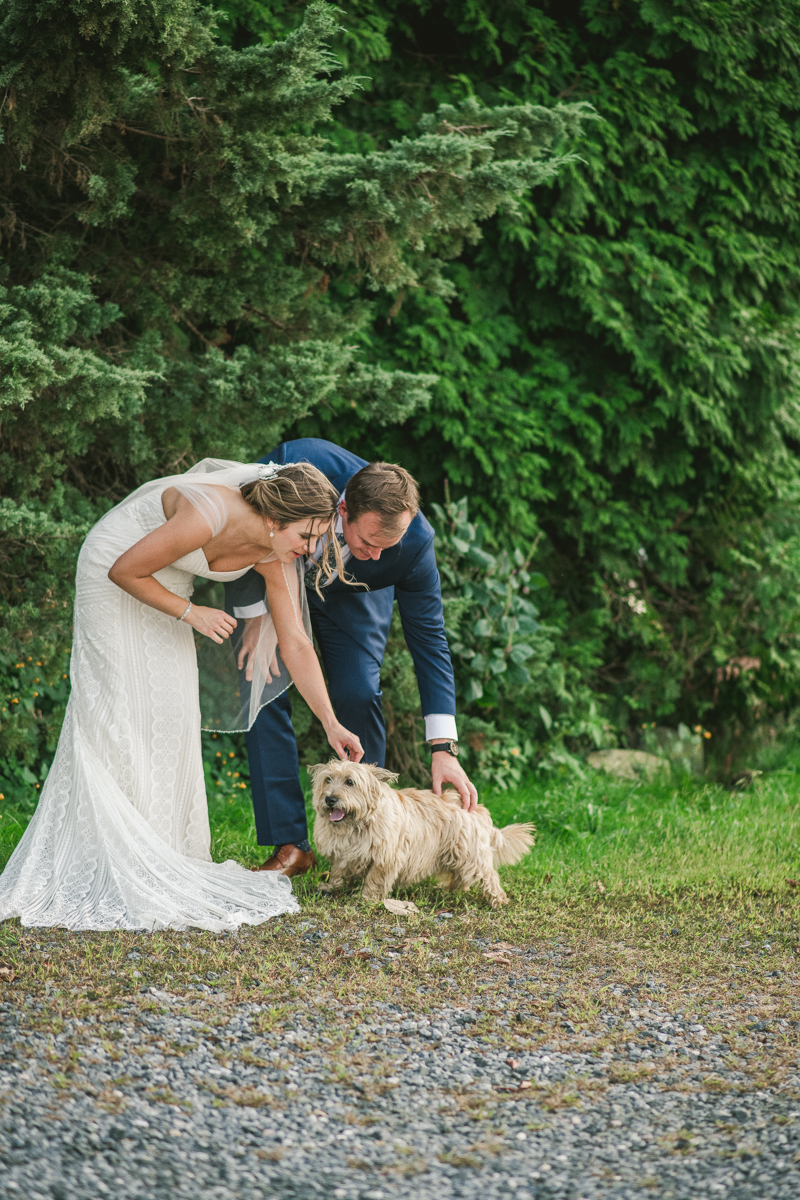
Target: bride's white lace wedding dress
x=120 y=838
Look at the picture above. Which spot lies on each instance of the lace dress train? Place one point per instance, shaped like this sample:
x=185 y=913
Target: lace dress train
x=120 y=838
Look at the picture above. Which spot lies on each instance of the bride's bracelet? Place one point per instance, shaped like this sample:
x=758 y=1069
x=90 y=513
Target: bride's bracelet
x=187 y=610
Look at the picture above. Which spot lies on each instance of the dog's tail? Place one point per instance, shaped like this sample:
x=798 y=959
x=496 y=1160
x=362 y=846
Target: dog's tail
x=512 y=843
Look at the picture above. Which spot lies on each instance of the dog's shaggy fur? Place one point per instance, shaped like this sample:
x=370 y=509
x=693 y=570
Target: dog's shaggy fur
x=391 y=836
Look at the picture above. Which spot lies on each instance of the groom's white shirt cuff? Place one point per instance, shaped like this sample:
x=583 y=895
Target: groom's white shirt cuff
x=250 y=610
x=440 y=725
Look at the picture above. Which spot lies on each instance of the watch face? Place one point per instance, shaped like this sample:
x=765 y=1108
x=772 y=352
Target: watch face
x=446 y=747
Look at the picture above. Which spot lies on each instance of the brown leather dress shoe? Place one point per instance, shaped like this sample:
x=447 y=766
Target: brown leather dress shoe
x=289 y=860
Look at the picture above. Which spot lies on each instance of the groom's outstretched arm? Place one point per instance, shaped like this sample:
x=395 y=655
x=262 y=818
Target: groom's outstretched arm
x=419 y=599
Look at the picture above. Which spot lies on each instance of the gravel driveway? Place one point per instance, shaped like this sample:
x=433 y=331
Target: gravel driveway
x=190 y=1096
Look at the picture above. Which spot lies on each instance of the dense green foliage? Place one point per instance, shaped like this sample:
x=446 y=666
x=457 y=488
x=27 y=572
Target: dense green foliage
x=618 y=366
x=175 y=224
x=191 y=268
x=518 y=698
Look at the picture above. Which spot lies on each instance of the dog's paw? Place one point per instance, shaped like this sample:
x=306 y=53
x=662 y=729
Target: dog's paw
x=499 y=901
x=326 y=889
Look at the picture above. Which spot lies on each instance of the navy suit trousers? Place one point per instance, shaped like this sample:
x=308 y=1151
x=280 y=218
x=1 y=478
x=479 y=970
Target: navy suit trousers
x=355 y=690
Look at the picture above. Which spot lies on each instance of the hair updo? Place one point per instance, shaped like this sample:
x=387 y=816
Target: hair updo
x=300 y=492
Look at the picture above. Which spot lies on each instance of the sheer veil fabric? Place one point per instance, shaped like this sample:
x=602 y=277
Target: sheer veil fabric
x=120 y=838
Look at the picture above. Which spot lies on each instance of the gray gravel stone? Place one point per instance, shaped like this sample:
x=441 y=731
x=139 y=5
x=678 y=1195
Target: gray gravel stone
x=166 y=1104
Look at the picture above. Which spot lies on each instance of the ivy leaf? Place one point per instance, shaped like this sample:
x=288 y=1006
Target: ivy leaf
x=518 y=674
x=527 y=624
x=480 y=557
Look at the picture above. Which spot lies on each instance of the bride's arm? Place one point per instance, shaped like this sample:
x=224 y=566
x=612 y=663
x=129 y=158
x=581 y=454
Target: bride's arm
x=186 y=530
x=302 y=662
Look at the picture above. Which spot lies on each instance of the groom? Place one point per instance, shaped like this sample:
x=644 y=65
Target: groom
x=386 y=543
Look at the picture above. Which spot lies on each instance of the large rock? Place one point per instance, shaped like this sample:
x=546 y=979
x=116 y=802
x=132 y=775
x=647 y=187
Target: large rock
x=628 y=764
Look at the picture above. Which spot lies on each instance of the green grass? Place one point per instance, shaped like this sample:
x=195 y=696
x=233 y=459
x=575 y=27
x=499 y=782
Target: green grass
x=628 y=837
x=642 y=836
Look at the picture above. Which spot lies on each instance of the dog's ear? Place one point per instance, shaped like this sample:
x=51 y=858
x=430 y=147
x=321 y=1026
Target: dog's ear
x=315 y=770
x=382 y=774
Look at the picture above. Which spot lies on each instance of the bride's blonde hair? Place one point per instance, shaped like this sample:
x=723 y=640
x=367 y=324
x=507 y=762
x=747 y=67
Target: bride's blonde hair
x=300 y=492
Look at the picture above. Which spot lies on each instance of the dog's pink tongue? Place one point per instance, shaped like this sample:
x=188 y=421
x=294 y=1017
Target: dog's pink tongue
x=337 y=814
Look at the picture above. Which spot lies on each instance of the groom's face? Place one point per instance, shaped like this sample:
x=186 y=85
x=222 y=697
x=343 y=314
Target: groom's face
x=366 y=537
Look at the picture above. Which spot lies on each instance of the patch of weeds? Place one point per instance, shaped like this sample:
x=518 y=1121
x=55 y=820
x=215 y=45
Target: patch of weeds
x=252 y=1060
x=414 y=1166
x=249 y=1097
x=491 y=1145
x=632 y=1074
x=267 y=1021
x=681 y=1141
x=476 y=1107
x=460 y=1159
x=713 y=1083
x=557 y=1098
x=111 y=1102
x=378 y=1087
x=165 y=1095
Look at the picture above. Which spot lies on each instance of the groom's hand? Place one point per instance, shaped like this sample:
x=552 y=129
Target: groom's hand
x=247 y=650
x=447 y=769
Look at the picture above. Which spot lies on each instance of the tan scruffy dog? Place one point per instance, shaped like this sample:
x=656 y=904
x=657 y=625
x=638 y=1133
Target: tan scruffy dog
x=391 y=836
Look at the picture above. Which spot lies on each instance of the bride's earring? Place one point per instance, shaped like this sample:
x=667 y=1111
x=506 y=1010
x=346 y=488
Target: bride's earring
x=272 y=533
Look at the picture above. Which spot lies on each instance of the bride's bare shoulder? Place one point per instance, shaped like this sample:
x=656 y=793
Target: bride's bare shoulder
x=183 y=497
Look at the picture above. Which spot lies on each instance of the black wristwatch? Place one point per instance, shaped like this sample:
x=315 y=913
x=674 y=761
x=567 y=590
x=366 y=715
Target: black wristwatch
x=447 y=747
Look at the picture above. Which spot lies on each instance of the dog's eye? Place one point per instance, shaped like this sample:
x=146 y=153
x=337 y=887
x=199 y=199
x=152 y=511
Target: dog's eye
x=349 y=782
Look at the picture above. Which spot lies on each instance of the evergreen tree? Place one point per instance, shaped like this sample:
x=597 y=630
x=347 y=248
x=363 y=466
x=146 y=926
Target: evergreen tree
x=618 y=362
x=175 y=225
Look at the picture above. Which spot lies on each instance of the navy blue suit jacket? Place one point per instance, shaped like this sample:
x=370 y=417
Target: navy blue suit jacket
x=407 y=572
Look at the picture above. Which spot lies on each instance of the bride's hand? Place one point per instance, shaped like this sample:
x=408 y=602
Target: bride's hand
x=211 y=622
x=345 y=743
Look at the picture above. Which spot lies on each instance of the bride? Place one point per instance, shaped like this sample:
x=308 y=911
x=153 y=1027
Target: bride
x=120 y=838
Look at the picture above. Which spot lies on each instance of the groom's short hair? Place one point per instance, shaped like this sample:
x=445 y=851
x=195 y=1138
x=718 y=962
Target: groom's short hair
x=385 y=489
